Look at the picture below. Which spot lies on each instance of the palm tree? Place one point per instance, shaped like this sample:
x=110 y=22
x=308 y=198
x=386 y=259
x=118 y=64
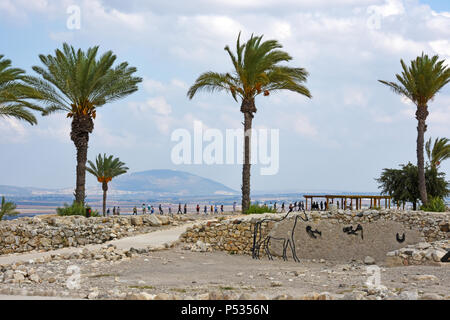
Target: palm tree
x=257 y=70
x=420 y=83
x=105 y=169
x=8 y=209
x=14 y=94
x=78 y=83
x=439 y=152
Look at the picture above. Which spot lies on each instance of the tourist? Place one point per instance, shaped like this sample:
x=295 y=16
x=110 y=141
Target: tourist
x=282 y=207
x=291 y=208
x=114 y=211
x=321 y=206
x=118 y=211
x=161 y=212
x=216 y=209
x=152 y=211
x=107 y=212
x=212 y=209
x=205 y=210
x=198 y=208
x=185 y=208
x=179 y=209
x=275 y=207
x=143 y=208
x=234 y=207
x=221 y=209
x=134 y=211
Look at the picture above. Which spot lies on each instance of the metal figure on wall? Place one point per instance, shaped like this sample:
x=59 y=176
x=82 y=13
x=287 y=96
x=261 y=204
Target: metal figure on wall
x=350 y=230
x=287 y=242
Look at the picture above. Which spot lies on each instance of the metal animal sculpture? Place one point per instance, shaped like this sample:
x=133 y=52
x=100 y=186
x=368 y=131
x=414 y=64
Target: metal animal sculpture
x=287 y=242
x=402 y=239
x=258 y=241
x=446 y=258
x=312 y=233
x=350 y=230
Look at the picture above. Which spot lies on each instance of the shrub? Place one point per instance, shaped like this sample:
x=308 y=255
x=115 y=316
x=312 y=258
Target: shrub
x=76 y=209
x=256 y=208
x=435 y=204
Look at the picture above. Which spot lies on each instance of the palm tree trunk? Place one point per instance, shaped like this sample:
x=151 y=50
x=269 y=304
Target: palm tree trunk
x=247 y=108
x=421 y=116
x=105 y=190
x=82 y=126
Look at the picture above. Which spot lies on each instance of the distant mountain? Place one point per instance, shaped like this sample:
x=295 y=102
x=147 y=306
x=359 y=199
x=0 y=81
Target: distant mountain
x=169 y=182
x=153 y=183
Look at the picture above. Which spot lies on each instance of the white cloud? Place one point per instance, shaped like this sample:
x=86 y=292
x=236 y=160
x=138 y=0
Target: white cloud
x=441 y=47
x=12 y=131
x=389 y=8
x=303 y=126
x=157 y=105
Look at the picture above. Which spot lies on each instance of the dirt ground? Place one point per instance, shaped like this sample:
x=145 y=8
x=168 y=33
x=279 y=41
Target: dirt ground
x=187 y=274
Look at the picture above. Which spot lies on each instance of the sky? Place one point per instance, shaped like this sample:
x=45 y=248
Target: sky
x=341 y=139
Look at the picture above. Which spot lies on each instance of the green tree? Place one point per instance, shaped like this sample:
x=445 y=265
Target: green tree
x=401 y=184
x=14 y=94
x=256 y=71
x=78 y=83
x=439 y=152
x=105 y=169
x=8 y=209
x=420 y=83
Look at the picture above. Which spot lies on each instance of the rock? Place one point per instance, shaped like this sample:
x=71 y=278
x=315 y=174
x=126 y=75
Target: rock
x=45 y=242
x=394 y=261
x=409 y=295
x=93 y=295
x=276 y=284
x=438 y=254
x=162 y=296
x=431 y=296
x=215 y=295
x=34 y=277
x=283 y=297
x=153 y=221
x=444 y=226
x=164 y=220
x=245 y=296
x=19 y=277
x=325 y=296
x=202 y=296
x=141 y=296
x=425 y=277
x=136 y=221
x=422 y=245
x=369 y=260
x=333 y=208
x=355 y=295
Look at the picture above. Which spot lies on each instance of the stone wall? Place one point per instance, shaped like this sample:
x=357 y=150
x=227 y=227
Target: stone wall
x=49 y=233
x=236 y=236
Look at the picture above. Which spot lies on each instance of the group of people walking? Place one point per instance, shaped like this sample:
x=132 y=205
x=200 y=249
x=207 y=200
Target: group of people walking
x=296 y=206
x=115 y=211
x=216 y=209
x=183 y=209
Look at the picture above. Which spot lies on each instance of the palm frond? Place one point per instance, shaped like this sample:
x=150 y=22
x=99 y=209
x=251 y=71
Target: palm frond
x=257 y=70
